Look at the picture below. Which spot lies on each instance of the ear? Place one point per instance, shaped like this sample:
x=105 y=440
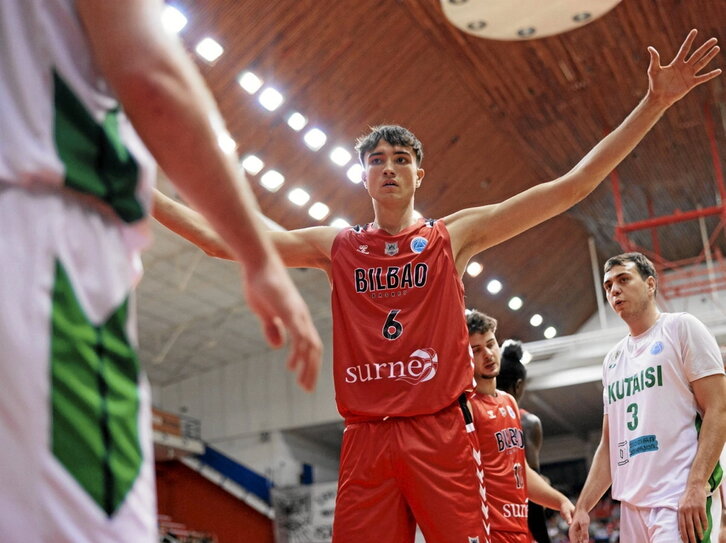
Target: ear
x=419 y=176
x=651 y=284
x=364 y=178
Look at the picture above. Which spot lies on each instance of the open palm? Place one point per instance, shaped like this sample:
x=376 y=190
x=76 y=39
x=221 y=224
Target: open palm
x=672 y=82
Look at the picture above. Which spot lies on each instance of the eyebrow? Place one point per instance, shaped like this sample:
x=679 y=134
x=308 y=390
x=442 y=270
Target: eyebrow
x=399 y=152
x=610 y=280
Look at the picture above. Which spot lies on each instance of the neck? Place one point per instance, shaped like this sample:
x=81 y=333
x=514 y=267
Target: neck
x=393 y=219
x=486 y=386
x=644 y=321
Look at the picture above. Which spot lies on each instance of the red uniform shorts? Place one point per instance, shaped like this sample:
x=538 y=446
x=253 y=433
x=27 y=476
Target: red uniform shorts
x=399 y=472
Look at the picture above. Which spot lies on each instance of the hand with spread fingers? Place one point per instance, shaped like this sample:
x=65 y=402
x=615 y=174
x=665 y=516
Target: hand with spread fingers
x=672 y=82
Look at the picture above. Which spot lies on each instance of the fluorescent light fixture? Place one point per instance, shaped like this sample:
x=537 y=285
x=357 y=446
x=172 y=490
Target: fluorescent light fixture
x=315 y=138
x=474 y=269
x=494 y=286
x=272 y=180
x=226 y=142
x=249 y=82
x=515 y=302
x=318 y=211
x=173 y=20
x=355 y=172
x=299 y=197
x=340 y=156
x=252 y=164
x=340 y=223
x=550 y=332
x=536 y=319
x=209 y=49
x=297 y=121
x=270 y=99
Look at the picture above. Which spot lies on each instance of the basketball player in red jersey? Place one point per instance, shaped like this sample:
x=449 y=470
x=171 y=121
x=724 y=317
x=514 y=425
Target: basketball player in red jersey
x=401 y=357
x=510 y=480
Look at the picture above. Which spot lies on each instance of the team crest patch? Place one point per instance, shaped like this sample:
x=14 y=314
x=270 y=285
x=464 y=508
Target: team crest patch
x=614 y=359
x=510 y=411
x=391 y=248
x=474 y=539
x=657 y=348
x=418 y=244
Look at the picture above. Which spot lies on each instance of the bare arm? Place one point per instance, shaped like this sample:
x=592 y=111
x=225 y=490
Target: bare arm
x=303 y=248
x=174 y=113
x=597 y=483
x=532 y=427
x=474 y=230
x=710 y=394
x=539 y=491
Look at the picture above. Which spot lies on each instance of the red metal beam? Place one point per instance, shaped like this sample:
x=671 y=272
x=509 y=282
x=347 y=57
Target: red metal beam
x=676 y=217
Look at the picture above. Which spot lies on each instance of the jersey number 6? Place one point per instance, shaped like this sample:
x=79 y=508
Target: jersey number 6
x=392 y=329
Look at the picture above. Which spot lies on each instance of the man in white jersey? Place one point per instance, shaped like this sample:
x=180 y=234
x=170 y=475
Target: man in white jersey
x=76 y=463
x=665 y=418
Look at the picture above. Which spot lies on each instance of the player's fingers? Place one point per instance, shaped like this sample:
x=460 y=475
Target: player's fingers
x=274 y=331
x=701 y=51
x=686 y=46
x=708 y=57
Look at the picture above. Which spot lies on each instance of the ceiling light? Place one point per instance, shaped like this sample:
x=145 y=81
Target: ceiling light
x=318 y=211
x=270 y=99
x=272 y=180
x=550 y=332
x=173 y=20
x=249 y=82
x=226 y=143
x=526 y=357
x=252 y=164
x=494 y=286
x=209 y=49
x=315 y=138
x=340 y=223
x=474 y=269
x=536 y=319
x=354 y=173
x=515 y=302
x=299 y=197
x=340 y=156
x=297 y=121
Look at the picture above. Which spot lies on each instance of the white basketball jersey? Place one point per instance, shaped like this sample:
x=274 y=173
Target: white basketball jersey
x=652 y=412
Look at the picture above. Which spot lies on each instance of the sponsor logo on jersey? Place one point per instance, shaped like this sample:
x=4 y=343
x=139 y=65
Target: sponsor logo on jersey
x=613 y=359
x=502 y=412
x=628 y=386
x=363 y=249
x=474 y=539
x=515 y=510
x=391 y=248
x=418 y=244
x=628 y=449
x=511 y=412
x=491 y=413
x=657 y=348
x=391 y=277
x=509 y=438
x=420 y=367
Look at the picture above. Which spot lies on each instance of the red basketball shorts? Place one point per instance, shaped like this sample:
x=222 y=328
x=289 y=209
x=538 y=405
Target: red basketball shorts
x=400 y=472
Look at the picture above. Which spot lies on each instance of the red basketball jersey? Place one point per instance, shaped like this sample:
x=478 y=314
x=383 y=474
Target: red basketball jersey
x=400 y=342
x=499 y=430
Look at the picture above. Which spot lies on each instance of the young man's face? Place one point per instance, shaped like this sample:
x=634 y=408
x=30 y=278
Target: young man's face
x=628 y=293
x=487 y=362
x=390 y=172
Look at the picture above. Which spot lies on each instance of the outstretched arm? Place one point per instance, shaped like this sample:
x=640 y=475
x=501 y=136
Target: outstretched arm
x=174 y=113
x=597 y=483
x=710 y=393
x=475 y=229
x=541 y=492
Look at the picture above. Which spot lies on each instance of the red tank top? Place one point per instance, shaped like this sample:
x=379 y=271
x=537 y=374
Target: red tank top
x=400 y=342
x=499 y=430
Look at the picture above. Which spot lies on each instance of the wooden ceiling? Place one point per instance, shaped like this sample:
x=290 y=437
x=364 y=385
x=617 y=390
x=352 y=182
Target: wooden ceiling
x=494 y=117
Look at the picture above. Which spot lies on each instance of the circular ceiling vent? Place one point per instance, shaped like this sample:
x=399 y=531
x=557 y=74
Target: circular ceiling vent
x=517 y=20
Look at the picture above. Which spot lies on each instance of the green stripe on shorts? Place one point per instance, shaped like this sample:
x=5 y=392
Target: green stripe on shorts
x=95 y=399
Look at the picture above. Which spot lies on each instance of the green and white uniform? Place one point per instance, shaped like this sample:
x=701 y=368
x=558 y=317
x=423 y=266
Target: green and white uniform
x=652 y=414
x=76 y=462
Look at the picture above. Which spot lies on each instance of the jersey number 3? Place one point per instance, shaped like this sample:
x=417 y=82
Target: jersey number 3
x=392 y=329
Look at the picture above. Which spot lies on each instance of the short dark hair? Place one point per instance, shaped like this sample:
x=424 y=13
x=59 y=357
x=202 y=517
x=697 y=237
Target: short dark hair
x=393 y=134
x=511 y=369
x=479 y=323
x=645 y=267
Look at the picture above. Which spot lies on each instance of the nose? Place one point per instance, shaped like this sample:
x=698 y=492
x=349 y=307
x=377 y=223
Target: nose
x=388 y=167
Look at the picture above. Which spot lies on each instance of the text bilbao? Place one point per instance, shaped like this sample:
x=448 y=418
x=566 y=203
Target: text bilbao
x=391 y=277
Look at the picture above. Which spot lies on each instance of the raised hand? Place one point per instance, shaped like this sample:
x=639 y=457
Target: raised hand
x=670 y=83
